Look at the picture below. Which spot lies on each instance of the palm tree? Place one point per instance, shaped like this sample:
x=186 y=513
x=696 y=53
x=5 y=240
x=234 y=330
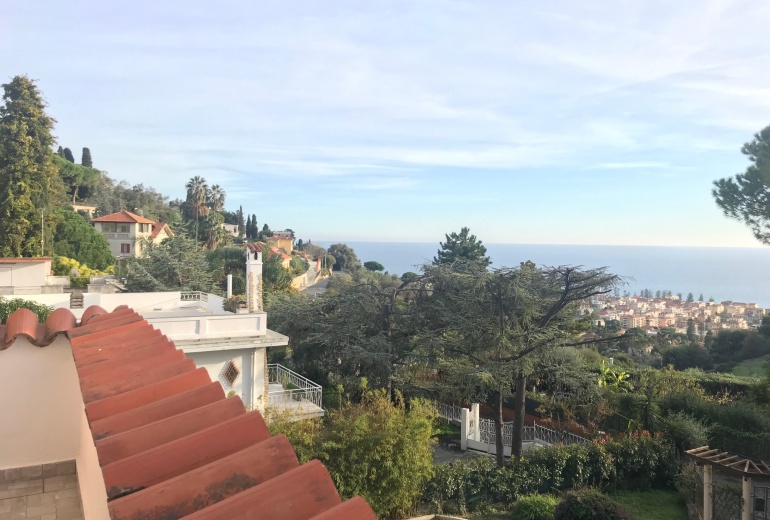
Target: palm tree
x=197 y=192
x=217 y=197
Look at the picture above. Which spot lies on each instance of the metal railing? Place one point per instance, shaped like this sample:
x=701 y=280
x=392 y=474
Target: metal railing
x=194 y=296
x=450 y=412
x=294 y=387
x=531 y=434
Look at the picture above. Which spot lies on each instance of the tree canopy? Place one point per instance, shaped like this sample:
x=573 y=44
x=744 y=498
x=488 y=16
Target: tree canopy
x=346 y=258
x=76 y=238
x=176 y=264
x=371 y=265
x=462 y=247
x=28 y=178
x=746 y=196
x=79 y=181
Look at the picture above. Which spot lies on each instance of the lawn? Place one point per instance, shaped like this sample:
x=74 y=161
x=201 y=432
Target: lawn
x=652 y=505
x=750 y=367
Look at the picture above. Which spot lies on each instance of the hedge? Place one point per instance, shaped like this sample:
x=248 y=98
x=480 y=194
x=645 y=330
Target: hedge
x=638 y=461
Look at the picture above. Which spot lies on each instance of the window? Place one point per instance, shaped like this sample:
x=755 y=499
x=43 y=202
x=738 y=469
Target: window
x=123 y=228
x=229 y=374
x=109 y=227
x=125 y=248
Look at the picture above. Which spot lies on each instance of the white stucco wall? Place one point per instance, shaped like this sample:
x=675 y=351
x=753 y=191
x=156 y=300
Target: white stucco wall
x=43 y=417
x=93 y=493
x=40 y=403
x=250 y=385
x=24 y=274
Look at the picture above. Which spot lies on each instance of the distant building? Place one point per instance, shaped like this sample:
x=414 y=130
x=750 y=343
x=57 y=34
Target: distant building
x=30 y=276
x=281 y=241
x=232 y=229
x=124 y=231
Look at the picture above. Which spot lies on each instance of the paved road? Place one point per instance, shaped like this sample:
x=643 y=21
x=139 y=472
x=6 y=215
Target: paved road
x=320 y=287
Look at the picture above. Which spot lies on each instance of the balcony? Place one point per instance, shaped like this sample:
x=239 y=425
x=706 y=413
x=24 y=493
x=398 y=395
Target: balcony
x=291 y=392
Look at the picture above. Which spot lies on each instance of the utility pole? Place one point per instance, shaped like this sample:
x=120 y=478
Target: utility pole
x=42 y=231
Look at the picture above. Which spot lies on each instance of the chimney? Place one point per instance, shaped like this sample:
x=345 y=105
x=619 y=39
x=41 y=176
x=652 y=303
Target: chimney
x=253 y=277
x=76 y=300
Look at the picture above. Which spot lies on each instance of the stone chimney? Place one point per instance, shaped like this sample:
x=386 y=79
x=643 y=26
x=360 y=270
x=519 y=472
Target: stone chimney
x=76 y=300
x=253 y=277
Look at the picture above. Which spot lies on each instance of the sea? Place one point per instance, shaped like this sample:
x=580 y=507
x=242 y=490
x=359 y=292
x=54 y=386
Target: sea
x=737 y=274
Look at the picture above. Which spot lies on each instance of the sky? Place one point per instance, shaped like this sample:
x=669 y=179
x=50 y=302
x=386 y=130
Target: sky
x=388 y=120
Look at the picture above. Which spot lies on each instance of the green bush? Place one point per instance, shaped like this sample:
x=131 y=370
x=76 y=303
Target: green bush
x=8 y=306
x=637 y=461
x=534 y=507
x=685 y=431
x=589 y=504
x=377 y=449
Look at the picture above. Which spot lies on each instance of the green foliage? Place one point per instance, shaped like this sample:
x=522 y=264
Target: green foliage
x=75 y=238
x=737 y=426
x=8 y=306
x=534 y=507
x=28 y=177
x=80 y=274
x=275 y=278
x=637 y=461
x=687 y=356
x=298 y=266
x=67 y=154
x=374 y=266
x=685 y=431
x=85 y=158
x=79 y=181
x=744 y=197
x=376 y=449
x=589 y=504
x=176 y=264
x=689 y=483
x=345 y=258
x=462 y=247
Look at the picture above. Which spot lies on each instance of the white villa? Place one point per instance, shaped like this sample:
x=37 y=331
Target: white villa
x=123 y=230
x=232 y=347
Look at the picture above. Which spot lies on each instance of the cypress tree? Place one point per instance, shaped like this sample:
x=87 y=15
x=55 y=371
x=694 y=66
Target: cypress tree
x=68 y=155
x=60 y=152
x=85 y=159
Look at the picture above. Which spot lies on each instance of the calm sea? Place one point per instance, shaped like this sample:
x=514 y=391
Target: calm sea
x=738 y=274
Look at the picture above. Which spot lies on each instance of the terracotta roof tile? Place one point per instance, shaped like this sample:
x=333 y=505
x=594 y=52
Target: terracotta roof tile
x=91 y=312
x=35 y=260
x=123 y=216
x=169 y=442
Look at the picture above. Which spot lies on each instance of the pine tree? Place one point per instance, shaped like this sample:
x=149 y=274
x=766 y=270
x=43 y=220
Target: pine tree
x=68 y=155
x=85 y=159
x=462 y=247
x=700 y=298
x=690 y=298
x=29 y=181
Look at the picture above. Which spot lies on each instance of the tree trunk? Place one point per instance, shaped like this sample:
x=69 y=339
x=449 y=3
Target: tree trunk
x=518 y=416
x=499 y=447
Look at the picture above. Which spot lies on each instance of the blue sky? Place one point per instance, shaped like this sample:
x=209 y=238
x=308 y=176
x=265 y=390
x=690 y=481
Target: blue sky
x=556 y=122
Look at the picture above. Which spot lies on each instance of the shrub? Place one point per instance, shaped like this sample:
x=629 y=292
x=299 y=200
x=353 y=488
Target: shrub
x=8 y=306
x=589 y=504
x=685 y=431
x=639 y=460
x=534 y=507
x=375 y=449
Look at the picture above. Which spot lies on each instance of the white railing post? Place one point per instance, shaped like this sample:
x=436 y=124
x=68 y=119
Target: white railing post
x=747 y=505
x=708 y=492
x=464 y=425
x=475 y=435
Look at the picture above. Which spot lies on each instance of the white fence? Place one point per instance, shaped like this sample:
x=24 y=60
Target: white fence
x=479 y=434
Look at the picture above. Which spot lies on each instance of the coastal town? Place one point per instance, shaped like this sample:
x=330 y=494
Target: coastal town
x=673 y=312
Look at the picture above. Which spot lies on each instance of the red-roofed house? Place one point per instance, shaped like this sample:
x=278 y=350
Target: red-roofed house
x=124 y=231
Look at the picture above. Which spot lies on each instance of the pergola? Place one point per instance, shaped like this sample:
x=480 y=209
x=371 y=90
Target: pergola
x=731 y=463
